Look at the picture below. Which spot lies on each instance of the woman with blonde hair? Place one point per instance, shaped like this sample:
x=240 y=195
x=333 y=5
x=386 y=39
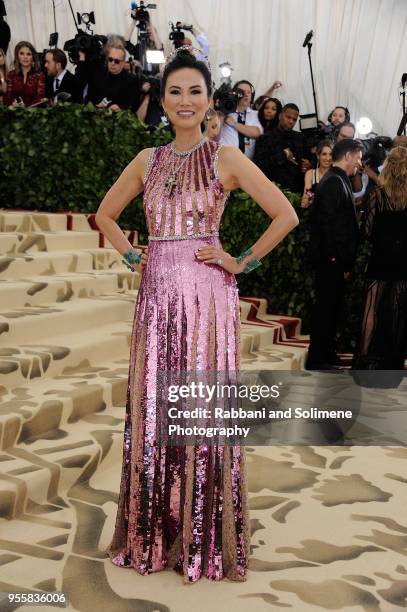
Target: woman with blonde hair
x=26 y=83
x=213 y=124
x=383 y=338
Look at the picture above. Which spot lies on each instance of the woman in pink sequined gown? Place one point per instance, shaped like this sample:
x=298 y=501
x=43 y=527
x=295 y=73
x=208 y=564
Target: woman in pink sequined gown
x=185 y=507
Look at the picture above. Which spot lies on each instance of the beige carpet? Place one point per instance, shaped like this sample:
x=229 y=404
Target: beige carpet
x=329 y=526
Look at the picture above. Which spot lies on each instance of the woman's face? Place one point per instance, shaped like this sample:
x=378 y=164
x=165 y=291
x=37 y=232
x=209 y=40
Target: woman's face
x=186 y=98
x=25 y=57
x=270 y=110
x=325 y=157
x=338 y=116
x=213 y=127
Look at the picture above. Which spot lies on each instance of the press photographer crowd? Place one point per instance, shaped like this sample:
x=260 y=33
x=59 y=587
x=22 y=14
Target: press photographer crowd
x=354 y=188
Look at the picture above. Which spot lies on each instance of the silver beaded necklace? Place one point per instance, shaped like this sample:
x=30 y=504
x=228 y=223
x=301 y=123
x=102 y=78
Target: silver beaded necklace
x=172 y=180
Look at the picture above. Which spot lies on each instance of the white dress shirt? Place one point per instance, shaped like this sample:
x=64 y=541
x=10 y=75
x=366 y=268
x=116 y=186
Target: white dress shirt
x=204 y=44
x=230 y=136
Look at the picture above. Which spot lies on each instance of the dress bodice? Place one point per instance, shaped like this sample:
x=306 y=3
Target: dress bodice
x=197 y=202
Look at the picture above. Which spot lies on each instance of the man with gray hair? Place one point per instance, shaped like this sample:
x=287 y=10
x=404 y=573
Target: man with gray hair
x=108 y=84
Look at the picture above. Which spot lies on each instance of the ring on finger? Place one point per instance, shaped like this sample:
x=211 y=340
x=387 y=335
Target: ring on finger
x=219 y=262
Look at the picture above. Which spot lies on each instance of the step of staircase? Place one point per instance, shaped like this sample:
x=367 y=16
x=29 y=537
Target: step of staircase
x=28 y=242
x=39 y=470
x=34 y=324
x=31 y=221
x=44 y=407
x=41 y=290
x=17 y=266
x=63 y=355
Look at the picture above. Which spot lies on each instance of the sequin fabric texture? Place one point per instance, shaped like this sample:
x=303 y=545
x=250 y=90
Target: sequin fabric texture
x=181 y=507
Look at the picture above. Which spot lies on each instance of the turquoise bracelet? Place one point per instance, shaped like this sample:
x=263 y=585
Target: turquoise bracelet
x=251 y=265
x=240 y=257
x=131 y=256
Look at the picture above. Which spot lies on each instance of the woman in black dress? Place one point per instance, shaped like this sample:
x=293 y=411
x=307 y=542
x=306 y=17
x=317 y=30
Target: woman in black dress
x=383 y=338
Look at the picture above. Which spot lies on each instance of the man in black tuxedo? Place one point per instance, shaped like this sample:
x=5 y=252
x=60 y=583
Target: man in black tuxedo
x=281 y=154
x=333 y=246
x=59 y=79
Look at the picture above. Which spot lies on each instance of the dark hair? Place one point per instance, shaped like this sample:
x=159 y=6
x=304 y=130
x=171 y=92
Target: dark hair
x=269 y=125
x=347 y=145
x=345 y=124
x=289 y=106
x=185 y=59
x=259 y=101
x=347 y=113
x=377 y=152
x=58 y=56
x=236 y=85
x=323 y=143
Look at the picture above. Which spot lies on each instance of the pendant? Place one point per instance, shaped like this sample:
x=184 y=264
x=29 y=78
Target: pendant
x=170 y=184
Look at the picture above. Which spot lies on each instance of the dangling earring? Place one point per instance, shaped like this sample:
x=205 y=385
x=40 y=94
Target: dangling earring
x=208 y=114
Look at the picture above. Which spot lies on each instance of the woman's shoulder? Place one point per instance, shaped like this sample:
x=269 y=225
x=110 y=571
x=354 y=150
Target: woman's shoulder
x=229 y=153
x=145 y=161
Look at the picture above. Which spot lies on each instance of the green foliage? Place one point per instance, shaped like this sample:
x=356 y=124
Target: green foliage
x=66 y=157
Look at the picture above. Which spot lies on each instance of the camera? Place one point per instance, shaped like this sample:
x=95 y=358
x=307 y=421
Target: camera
x=226 y=100
x=375 y=150
x=91 y=44
x=177 y=33
x=154 y=91
x=141 y=15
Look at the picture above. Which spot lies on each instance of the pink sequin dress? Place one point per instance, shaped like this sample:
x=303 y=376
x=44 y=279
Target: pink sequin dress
x=182 y=507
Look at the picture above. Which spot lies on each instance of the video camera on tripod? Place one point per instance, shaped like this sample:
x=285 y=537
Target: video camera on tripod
x=142 y=17
x=177 y=33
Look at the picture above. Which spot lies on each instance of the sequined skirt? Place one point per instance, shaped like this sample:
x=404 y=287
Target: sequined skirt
x=182 y=507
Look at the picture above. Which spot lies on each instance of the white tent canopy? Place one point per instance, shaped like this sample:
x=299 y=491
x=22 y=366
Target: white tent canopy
x=359 y=47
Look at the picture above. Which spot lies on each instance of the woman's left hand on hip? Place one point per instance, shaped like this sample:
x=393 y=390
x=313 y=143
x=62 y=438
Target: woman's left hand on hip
x=219 y=257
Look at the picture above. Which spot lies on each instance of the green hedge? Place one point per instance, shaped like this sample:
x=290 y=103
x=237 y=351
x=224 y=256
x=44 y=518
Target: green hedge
x=66 y=157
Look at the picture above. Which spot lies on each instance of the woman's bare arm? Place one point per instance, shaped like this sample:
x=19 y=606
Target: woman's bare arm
x=305 y=201
x=236 y=170
x=125 y=189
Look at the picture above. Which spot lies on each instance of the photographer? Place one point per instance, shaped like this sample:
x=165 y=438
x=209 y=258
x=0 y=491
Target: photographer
x=150 y=110
x=109 y=85
x=59 y=79
x=200 y=37
x=344 y=130
x=242 y=128
x=146 y=29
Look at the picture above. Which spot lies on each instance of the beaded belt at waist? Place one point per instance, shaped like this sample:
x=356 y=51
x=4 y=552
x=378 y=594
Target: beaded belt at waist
x=185 y=236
